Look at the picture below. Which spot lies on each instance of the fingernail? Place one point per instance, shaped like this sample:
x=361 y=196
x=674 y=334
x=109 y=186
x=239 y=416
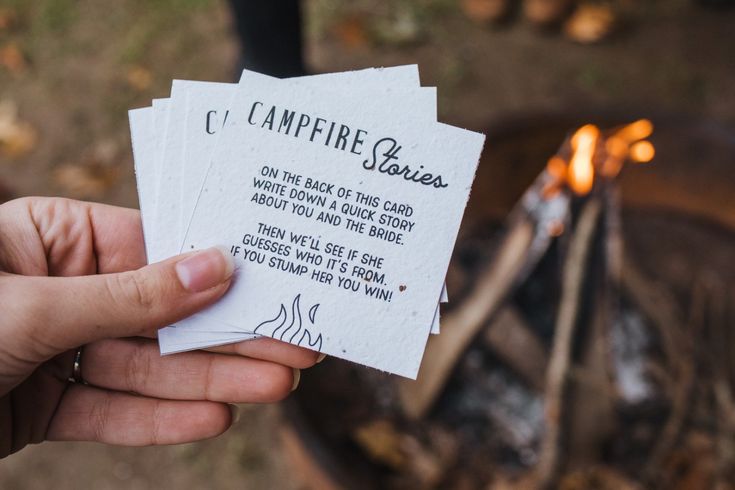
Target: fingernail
x=234 y=414
x=205 y=269
x=296 y=378
x=321 y=357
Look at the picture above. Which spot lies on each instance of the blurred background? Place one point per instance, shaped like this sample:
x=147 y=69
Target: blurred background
x=526 y=72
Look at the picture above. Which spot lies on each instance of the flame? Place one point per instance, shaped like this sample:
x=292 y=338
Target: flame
x=635 y=131
x=557 y=167
x=593 y=152
x=581 y=172
x=617 y=151
x=642 y=152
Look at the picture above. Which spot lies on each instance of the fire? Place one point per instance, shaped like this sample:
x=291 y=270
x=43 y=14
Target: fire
x=636 y=131
x=594 y=153
x=642 y=152
x=581 y=173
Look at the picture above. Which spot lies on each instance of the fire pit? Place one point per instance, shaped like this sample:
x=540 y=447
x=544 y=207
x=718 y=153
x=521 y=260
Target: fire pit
x=645 y=395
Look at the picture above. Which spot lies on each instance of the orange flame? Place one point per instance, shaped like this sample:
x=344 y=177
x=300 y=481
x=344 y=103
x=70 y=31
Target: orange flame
x=635 y=131
x=581 y=173
x=642 y=152
x=593 y=152
x=617 y=151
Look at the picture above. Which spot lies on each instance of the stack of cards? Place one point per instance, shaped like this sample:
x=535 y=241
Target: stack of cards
x=338 y=195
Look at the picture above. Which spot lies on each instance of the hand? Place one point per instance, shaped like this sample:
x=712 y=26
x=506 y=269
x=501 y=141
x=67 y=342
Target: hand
x=72 y=274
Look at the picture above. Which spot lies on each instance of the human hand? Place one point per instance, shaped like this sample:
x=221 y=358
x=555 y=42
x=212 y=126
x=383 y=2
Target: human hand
x=73 y=274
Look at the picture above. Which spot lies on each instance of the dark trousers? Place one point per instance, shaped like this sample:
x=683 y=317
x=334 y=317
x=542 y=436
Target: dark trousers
x=270 y=36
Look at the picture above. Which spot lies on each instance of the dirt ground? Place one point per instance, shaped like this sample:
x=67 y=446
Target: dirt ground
x=70 y=69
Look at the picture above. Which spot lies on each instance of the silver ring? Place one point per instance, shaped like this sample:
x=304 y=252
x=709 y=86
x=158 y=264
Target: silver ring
x=76 y=372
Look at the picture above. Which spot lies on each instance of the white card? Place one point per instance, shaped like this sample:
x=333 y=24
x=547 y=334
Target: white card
x=165 y=110
x=385 y=323
x=208 y=103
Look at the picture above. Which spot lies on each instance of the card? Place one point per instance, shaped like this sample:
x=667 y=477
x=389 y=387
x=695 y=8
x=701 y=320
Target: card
x=208 y=99
x=342 y=222
x=208 y=107
x=143 y=123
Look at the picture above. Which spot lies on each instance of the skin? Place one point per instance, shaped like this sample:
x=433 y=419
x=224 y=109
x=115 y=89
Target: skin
x=74 y=273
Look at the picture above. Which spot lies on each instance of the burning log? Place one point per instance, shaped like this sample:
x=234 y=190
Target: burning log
x=532 y=225
x=561 y=354
x=541 y=215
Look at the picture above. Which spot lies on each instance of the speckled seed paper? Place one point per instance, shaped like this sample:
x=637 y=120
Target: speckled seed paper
x=173 y=142
x=341 y=213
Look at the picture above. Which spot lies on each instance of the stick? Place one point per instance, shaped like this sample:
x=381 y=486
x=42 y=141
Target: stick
x=512 y=340
x=556 y=375
x=461 y=326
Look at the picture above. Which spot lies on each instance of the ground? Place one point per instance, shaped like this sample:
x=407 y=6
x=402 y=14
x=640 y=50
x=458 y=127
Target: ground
x=72 y=68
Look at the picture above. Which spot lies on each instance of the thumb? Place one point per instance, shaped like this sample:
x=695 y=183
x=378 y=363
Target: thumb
x=63 y=313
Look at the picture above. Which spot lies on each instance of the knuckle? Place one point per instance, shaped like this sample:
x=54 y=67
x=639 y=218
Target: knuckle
x=156 y=422
x=134 y=288
x=23 y=202
x=137 y=371
x=209 y=381
x=99 y=416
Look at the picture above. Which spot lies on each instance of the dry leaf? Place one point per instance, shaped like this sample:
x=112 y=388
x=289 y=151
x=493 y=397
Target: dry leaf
x=590 y=23
x=382 y=442
x=484 y=12
x=89 y=181
x=8 y=18
x=139 y=78
x=546 y=12
x=12 y=58
x=16 y=137
x=351 y=31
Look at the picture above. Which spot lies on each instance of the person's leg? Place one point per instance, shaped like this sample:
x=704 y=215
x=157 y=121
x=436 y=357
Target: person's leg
x=270 y=36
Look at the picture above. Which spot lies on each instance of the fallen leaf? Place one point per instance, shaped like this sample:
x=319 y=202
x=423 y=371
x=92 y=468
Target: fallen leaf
x=8 y=18
x=139 y=78
x=16 y=137
x=590 y=23
x=484 y=12
x=351 y=32
x=546 y=12
x=382 y=442
x=12 y=58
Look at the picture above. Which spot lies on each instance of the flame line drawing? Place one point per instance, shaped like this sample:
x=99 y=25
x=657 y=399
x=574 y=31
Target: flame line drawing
x=289 y=334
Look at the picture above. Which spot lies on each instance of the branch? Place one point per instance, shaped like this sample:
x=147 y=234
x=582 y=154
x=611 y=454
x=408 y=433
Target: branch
x=557 y=373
